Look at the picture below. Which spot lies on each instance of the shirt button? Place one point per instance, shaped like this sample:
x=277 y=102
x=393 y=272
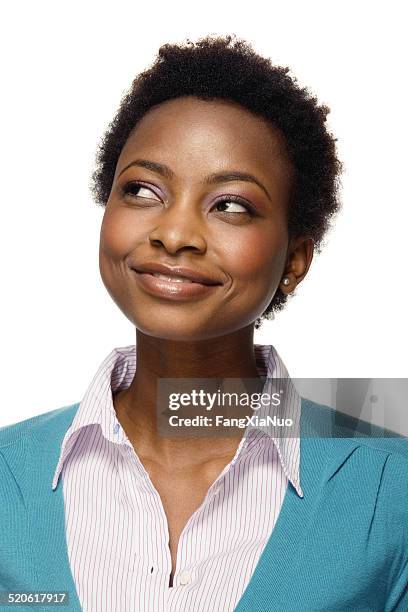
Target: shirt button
x=185 y=578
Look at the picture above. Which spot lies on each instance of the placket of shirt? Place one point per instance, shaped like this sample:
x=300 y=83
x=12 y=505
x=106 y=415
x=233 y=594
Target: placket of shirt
x=188 y=574
x=152 y=555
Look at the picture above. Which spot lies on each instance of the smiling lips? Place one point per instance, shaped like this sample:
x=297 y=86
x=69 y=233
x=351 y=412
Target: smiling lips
x=175 y=274
x=174 y=283
x=172 y=279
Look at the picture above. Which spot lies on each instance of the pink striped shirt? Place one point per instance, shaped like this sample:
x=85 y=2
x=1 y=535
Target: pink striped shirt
x=116 y=527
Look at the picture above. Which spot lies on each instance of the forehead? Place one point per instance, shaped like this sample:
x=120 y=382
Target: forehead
x=207 y=135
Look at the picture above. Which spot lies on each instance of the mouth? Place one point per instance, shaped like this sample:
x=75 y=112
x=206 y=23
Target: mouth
x=172 y=286
x=170 y=279
x=179 y=274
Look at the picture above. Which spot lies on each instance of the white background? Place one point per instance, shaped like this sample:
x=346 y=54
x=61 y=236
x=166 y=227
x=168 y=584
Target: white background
x=65 y=67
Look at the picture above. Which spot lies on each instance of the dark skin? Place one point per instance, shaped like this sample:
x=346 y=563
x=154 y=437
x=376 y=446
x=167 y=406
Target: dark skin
x=179 y=219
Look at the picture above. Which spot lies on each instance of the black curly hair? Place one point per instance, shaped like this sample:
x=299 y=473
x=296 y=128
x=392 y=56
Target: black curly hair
x=229 y=68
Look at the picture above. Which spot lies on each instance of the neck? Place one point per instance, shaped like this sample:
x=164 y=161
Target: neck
x=230 y=356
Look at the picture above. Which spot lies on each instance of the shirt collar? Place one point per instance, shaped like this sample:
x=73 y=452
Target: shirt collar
x=116 y=373
x=286 y=439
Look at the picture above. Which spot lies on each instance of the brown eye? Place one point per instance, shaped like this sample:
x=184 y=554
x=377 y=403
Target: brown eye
x=235 y=206
x=139 y=190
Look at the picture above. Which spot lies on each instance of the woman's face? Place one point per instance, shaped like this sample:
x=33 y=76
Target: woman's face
x=177 y=200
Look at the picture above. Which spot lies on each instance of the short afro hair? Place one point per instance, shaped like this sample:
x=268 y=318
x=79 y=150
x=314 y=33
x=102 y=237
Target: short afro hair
x=228 y=68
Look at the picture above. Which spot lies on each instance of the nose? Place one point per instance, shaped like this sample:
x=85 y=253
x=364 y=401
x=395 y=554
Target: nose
x=179 y=227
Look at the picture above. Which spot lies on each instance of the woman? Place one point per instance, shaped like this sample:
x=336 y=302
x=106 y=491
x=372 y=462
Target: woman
x=219 y=179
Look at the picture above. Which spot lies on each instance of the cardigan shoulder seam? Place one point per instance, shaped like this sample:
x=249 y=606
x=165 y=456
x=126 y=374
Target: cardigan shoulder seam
x=14 y=433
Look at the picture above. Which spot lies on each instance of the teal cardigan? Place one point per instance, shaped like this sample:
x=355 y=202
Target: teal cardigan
x=342 y=547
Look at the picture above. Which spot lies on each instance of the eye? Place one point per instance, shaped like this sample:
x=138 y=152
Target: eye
x=139 y=190
x=235 y=205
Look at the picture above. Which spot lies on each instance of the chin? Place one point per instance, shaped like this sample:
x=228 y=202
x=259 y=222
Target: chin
x=178 y=328
x=187 y=330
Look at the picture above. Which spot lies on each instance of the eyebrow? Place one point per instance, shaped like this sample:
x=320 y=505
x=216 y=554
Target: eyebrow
x=211 y=179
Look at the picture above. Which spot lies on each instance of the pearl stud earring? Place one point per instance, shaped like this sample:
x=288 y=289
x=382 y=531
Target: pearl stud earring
x=286 y=280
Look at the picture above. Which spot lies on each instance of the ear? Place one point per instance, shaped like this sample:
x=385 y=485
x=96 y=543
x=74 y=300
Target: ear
x=299 y=258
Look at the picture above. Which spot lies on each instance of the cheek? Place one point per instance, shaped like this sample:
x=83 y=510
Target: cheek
x=257 y=256
x=117 y=235
x=117 y=240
